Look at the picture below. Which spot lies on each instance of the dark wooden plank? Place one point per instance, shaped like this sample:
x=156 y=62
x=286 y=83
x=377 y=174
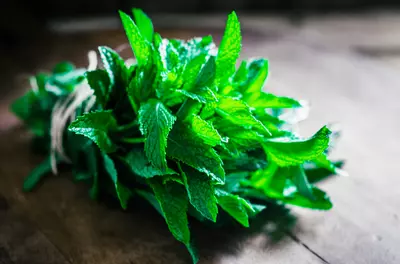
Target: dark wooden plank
x=21 y=242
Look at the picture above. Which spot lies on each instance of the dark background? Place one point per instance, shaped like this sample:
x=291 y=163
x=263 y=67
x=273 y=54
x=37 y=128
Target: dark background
x=24 y=15
x=22 y=20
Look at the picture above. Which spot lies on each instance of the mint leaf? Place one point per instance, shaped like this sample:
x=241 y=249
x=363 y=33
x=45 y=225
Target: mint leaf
x=187 y=147
x=96 y=126
x=173 y=201
x=207 y=73
x=140 y=165
x=232 y=180
x=301 y=182
x=238 y=113
x=323 y=162
x=290 y=152
x=140 y=46
x=63 y=67
x=114 y=65
x=37 y=174
x=288 y=185
x=320 y=201
x=144 y=24
x=229 y=49
x=254 y=81
x=192 y=70
x=99 y=81
x=196 y=46
x=22 y=107
x=123 y=193
x=201 y=192
x=236 y=206
x=206 y=131
x=202 y=95
x=267 y=100
x=155 y=124
x=238 y=135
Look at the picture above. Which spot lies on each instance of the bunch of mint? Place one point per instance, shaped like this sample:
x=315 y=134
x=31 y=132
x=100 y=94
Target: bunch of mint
x=182 y=129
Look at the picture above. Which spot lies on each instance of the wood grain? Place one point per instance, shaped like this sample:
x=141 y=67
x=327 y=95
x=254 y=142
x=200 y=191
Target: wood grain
x=342 y=84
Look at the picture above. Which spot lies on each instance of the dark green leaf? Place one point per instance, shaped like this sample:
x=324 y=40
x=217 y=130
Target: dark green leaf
x=37 y=174
x=63 y=67
x=155 y=124
x=114 y=65
x=152 y=200
x=140 y=165
x=123 y=193
x=201 y=192
x=173 y=201
x=93 y=170
x=236 y=206
x=207 y=73
x=100 y=83
x=232 y=180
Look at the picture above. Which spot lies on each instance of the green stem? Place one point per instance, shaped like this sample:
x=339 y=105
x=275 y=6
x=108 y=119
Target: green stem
x=127 y=126
x=134 y=105
x=133 y=140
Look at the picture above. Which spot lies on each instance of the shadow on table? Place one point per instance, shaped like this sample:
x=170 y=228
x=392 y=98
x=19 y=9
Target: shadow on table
x=66 y=214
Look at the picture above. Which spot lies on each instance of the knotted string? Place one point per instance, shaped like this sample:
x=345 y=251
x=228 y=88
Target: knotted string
x=64 y=110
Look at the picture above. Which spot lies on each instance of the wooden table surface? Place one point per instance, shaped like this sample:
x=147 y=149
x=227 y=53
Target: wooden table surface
x=346 y=67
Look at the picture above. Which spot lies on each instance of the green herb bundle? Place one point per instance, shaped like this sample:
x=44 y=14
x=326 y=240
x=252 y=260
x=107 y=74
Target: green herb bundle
x=182 y=129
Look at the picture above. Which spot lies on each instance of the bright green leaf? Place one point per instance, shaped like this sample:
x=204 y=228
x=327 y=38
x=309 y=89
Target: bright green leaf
x=144 y=24
x=238 y=113
x=192 y=70
x=257 y=74
x=140 y=46
x=205 y=131
x=301 y=182
x=267 y=100
x=229 y=49
x=291 y=152
x=96 y=126
x=187 y=147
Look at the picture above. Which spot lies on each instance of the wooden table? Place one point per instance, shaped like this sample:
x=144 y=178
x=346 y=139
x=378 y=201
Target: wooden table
x=336 y=63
